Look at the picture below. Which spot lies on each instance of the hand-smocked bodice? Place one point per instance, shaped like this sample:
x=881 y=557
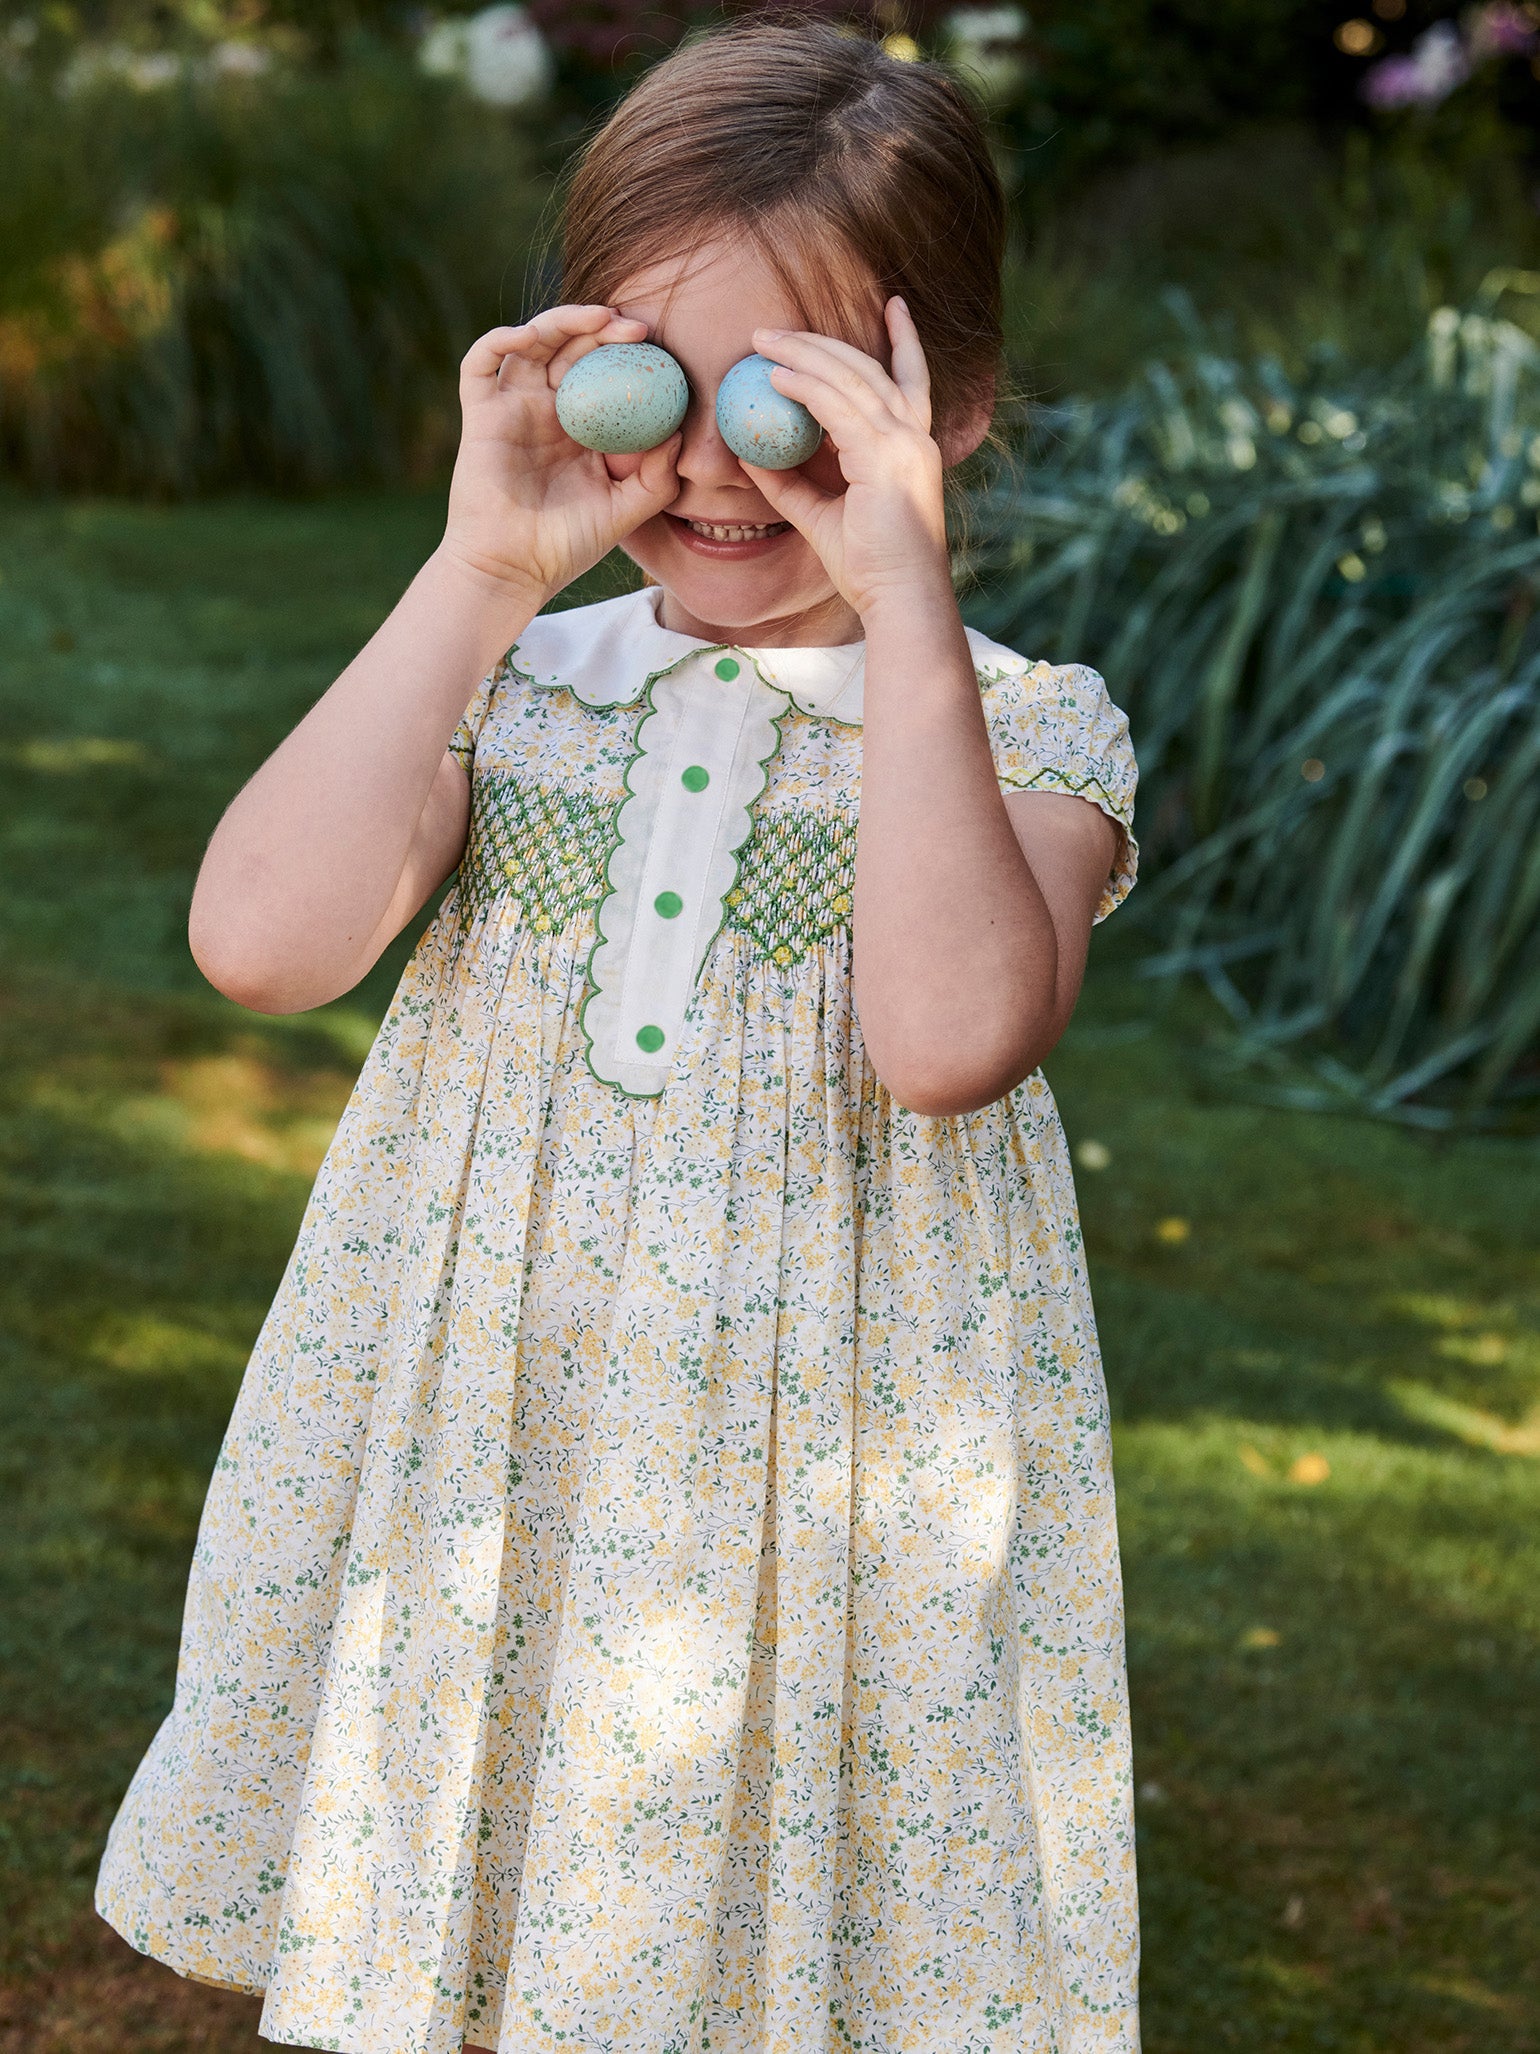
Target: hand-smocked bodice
x=669 y=790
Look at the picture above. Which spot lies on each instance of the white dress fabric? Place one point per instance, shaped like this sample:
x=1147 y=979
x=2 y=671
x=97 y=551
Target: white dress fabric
x=659 y=1591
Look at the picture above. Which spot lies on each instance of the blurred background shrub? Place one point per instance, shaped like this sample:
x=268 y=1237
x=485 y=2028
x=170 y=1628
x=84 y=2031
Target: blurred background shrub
x=247 y=271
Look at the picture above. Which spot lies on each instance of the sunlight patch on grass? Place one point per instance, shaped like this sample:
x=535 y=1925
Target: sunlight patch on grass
x=236 y=1104
x=145 y=1344
x=65 y=755
x=232 y=1104
x=1469 y=1423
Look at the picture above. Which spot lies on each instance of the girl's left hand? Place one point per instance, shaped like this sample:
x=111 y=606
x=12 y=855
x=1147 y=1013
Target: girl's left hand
x=887 y=530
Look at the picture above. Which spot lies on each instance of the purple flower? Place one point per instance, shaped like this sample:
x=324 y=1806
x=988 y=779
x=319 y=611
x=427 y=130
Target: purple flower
x=1393 y=82
x=1439 y=62
x=1500 y=30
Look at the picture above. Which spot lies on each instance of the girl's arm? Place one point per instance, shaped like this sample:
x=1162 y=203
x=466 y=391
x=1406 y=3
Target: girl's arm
x=973 y=911
x=360 y=814
x=358 y=817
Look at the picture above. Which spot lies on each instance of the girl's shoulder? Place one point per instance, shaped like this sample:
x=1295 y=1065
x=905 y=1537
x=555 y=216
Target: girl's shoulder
x=1054 y=723
x=1010 y=679
x=597 y=656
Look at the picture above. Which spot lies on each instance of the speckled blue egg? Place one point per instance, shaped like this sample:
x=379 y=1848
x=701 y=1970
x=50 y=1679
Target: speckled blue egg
x=622 y=397
x=762 y=425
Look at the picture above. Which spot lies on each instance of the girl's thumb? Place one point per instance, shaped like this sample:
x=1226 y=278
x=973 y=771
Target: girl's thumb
x=654 y=482
x=791 y=495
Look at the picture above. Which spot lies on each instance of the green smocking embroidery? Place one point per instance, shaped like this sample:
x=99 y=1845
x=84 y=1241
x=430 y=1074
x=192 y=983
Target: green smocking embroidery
x=537 y=843
x=545 y=847
x=795 y=882
x=1047 y=778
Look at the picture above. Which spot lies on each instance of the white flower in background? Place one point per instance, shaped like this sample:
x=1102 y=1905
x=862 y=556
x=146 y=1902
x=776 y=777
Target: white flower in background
x=1439 y=62
x=147 y=71
x=509 y=64
x=498 y=55
x=986 y=44
x=238 y=60
x=443 y=51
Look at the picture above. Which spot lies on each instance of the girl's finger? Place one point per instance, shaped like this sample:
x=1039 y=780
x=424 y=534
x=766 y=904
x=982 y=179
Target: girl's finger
x=911 y=372
x=621 y=329
x=650 y=487
x=537 y=341
x=840 y=363
x=847 y=418
x=484 y=359
x=795 y=498
x=552 y=327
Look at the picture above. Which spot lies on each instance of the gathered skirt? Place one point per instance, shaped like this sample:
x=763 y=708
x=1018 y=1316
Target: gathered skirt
x=659 y=1590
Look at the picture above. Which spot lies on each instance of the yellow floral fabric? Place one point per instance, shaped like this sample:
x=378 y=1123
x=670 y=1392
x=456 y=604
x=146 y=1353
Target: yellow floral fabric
x=659 y=1591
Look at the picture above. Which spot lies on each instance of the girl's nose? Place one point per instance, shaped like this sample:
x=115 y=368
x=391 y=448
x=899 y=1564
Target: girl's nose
x=704 y=458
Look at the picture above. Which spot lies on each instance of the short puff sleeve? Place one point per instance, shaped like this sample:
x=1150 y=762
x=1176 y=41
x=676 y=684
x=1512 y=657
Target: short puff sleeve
x=1054 y=728
x=462 y=743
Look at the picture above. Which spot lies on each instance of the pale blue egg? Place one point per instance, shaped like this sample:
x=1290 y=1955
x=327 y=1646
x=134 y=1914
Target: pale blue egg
x=761 y=425
x=622 y=397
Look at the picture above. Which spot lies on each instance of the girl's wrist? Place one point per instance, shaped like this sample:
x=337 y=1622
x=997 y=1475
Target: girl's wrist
x=503 y=593
x=918 y=608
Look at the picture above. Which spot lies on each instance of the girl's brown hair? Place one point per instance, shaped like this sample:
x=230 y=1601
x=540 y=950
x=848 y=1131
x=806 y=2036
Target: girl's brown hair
x=802 y=137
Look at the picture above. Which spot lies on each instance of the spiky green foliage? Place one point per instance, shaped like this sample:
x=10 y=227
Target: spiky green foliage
x=261 y=280
x=1315 y=596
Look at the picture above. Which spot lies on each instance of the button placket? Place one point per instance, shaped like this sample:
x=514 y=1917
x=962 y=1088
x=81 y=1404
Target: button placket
x=661 y=960
x=702 y=750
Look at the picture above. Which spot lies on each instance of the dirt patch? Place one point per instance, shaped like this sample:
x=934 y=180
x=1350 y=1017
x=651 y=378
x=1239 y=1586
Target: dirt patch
x=99 y=1997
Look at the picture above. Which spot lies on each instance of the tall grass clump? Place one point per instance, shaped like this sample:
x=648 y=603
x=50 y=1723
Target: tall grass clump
x=1316 y=595
x=237 y=280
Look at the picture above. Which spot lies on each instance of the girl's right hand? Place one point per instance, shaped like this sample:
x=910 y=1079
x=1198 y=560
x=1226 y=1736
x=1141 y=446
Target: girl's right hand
x=528 y=507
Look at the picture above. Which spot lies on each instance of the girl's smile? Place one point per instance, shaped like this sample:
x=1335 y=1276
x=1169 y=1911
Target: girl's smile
x=728 y=540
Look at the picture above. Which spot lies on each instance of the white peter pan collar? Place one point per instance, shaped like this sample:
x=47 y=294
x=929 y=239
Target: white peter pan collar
x=608 y=654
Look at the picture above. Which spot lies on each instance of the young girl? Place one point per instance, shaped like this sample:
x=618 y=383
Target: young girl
x=660 y=1591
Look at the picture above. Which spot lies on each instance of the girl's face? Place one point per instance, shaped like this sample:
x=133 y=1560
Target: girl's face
x=760 y=582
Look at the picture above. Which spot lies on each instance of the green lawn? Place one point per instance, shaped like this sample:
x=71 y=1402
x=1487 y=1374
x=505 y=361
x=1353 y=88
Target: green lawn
x=1323 y=1343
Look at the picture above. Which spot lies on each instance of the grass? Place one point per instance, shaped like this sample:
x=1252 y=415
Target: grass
x=1323 y=1343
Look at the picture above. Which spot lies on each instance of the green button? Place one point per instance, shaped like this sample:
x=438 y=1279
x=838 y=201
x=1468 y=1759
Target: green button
x=669 y=904
x=727 y=670
x=649 y=1039
x=695 y=779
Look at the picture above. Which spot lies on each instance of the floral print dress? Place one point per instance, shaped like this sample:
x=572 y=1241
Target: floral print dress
x=659 y=1591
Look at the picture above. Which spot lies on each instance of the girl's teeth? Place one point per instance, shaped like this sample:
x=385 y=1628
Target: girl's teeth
x=722 y=531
